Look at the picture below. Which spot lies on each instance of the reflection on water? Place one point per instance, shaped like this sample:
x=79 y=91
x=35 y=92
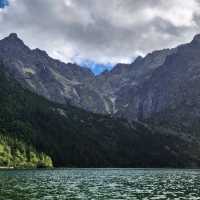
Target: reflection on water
x=100 y=184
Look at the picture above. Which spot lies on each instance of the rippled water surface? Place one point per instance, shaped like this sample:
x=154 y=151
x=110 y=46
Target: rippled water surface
x=99 y=184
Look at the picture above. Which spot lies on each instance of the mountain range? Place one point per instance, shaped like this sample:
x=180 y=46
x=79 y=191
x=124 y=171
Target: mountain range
x=63 y=83
x=143 y=114
x=132 y=91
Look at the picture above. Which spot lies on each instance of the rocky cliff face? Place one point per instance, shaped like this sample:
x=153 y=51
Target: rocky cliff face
x=120 y=84
x=172 y=84
x=57 y=81
x=162 y=80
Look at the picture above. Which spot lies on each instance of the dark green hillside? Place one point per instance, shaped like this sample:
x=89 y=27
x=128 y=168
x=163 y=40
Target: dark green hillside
x=73 y=137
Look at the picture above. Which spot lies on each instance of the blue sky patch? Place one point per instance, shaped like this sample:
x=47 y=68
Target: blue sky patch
x=3 y=3
x=97 y=68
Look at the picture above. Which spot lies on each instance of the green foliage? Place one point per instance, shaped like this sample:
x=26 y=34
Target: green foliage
x=14 y=153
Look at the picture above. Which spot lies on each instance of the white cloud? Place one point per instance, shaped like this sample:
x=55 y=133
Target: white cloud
x=101 y=30
x=178 y=12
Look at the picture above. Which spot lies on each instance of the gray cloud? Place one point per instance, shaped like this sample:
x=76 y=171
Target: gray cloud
x=101 y=30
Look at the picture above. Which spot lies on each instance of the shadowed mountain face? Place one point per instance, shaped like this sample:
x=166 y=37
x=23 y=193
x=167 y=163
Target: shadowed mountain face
x=74 y=137
x=173 y=84
x=162 y=80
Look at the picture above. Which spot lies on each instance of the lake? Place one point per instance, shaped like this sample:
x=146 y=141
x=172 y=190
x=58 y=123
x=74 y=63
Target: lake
x=116 y=184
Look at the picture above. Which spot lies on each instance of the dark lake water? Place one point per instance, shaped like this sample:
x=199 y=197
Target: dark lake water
x=116 y=184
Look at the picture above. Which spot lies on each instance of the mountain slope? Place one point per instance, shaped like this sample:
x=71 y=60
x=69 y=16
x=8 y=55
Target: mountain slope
x=73 y=137
x=162 y=81
x=178 y=105
x=115 y=85
x=172 y=86
x=55 y=80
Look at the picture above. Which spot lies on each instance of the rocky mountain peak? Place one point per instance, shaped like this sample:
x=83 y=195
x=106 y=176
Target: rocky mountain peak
x=13 y=36
x=40 y=52
x=196 y=39
x=138 y=59
x=12 y=43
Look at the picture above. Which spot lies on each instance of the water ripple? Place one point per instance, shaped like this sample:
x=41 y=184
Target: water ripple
x=92 y=184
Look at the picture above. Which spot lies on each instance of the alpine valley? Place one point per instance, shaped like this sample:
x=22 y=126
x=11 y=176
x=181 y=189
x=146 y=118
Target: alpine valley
x=143 y=114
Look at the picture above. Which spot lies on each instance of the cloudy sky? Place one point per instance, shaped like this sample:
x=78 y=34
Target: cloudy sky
x=100 y=31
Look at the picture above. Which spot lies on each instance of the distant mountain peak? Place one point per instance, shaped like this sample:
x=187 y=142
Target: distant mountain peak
x=138 y=59
x=40 y=52
x=13 y=36
x=196 y=38
x=13 y=39
x=13 y=45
